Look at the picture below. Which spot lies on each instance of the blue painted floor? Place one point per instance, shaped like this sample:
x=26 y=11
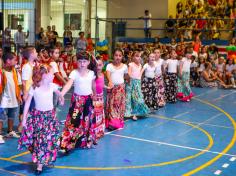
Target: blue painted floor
x=196 y=138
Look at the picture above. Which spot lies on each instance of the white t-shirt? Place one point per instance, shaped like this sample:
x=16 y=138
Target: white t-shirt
x=194 y=64
x=9 y=99
x=147 y=21
x=117 y=75
x=54 y=67
x=159 y=64
x=230 y=68
x=82 y=84
x=172 y=65
x=135 y=70
x=43 y=98
x=27 y=73
x=220 y=67
x=201 y=68
x=149 y=71
x=186 y=64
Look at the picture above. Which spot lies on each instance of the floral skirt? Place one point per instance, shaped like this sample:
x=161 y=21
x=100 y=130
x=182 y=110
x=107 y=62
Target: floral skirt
x=184 y=90
x=41 y=136
x=115 y=107
x=149 y=89
x=100 y=116
x=80 y=123
x=171 y=87
x=160 y=91
x=135 y=104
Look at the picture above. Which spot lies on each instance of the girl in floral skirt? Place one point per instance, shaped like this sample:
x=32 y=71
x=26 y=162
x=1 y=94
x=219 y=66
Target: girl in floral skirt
x=171 y=78
x=40 y=133
x=135 y=105
x=184 y=90
x=115 y=109
x=80 y=121
x=149 y=83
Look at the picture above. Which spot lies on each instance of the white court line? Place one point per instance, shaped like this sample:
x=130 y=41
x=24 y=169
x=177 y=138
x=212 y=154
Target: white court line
x=221 y=97
x=172 y=145
x=199 y=124
x=210 y=91
x=179 y=115
x=225 y=165
x=174 y=117
x=218 y=172
x=208 y=124
x=233 y=159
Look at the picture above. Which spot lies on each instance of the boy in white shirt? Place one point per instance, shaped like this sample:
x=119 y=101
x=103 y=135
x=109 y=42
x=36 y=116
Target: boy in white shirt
x=10 y=96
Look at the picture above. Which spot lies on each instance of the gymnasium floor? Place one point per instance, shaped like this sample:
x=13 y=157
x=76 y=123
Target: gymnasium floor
x=196 y=138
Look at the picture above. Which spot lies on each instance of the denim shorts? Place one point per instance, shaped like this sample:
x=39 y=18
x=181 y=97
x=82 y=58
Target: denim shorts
x=8 y=113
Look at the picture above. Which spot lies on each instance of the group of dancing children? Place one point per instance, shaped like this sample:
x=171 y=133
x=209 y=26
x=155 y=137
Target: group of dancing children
x=132 y=91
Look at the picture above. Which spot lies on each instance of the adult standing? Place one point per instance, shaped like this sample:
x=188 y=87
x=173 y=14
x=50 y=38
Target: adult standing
x=81 y=43
x=67 y=36
x=147 y=23
x=19 y=38
x=6 y=44
x=55 y=34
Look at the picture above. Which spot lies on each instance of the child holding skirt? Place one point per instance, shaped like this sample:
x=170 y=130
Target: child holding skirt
x=171 y=78
x=115 y=108
x=184 y=90
x=40 y=133
x=149 y=84
x=135 y=105
x=80 y=120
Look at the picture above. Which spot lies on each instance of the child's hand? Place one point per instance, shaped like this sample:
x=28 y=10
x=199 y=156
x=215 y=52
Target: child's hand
x=23 y=123
x=61 y=100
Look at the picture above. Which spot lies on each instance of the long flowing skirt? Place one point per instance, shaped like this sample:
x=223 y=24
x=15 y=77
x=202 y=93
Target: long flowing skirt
x=135 y=104
x=184 y=90
x=160 y=91
x=149 y=89
x=171 y=87
x=41 y=136
x=80 y=123
x=100 y=116
x=115 y=107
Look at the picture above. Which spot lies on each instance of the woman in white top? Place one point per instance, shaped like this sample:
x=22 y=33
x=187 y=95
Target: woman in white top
x=149 y=86
x=135 y=105
x=80 y=120
x=159 y=78
x=184 y=90
x=40 y=133
x=230 y=70
x=115 y=109
x=171 y=78
x=220 y=68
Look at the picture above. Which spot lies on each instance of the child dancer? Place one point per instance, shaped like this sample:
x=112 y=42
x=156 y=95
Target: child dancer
x=115 y=108
x=184 y=90
x=230 y=71
x=149 y=83
x=80 y=120
x=40 y=133
x=99 y=100
x=135 y=105
x=159 y=79
x=171 y=78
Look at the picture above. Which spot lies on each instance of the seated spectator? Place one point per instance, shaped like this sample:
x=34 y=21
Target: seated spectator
x=209 y=79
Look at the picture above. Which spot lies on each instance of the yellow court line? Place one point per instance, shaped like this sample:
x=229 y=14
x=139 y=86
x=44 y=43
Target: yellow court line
x=230 y=145
x=14 y=173
x=210 y=139
x=21 y=154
